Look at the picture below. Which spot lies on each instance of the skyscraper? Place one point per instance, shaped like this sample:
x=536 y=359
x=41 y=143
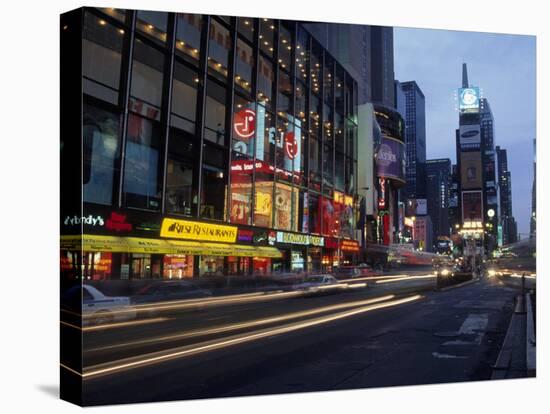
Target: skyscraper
x=415 y=140
x=438 y=182
x=533 y=221
x=507 y=221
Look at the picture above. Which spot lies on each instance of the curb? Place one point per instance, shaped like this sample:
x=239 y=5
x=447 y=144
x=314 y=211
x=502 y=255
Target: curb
x=468 y=282
x=531 y=342
x=500 y=369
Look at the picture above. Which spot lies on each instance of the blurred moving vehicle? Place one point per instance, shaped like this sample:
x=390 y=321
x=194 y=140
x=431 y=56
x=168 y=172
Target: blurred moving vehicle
x=170 y=290
x=320 y=284
x=97 y=308
x=346 y=272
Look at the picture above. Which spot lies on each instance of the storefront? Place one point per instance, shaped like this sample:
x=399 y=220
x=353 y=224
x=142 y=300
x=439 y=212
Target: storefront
x=173 y=248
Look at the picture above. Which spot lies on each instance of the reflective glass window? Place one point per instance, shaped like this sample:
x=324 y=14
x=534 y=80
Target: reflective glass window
x=267 y=36
x=215 y=113
x=188 y=36
x=184 y=97
x=101 y=58
x=153 y=24
x=100 y=152
x=141 y=171
x=219 y=47
x=244 y=67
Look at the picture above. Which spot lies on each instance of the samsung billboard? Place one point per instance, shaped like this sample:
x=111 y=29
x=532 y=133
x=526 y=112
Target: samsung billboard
x=390 y=159
x=470 y=136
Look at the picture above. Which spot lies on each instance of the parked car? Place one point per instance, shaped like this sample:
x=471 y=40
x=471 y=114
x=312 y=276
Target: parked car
x=319 y=284
x=97 y=308
x=170 y=290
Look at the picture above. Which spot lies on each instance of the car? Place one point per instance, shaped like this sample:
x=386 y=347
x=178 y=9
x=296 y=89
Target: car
x=346 y=272
x=169 y=290
x=319 y=284
x=97 y=308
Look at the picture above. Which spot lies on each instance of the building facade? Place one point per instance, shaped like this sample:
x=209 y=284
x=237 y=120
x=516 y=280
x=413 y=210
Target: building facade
x=415 y=140
x=438 y=187
x=212 y=145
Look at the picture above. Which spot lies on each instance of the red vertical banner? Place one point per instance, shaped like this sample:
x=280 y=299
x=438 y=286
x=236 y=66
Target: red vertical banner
x=386 y=229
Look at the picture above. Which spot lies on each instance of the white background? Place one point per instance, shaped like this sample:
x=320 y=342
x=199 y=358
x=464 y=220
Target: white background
x=29 y=75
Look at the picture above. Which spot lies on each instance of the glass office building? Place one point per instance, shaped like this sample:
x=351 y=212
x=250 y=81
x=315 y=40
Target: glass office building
x=210 y=145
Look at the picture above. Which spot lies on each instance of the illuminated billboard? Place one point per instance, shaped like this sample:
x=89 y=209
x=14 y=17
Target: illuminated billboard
x=470 y=136
x=472 y=206
x=390 y=159
x=470 y=170
x=468 y=99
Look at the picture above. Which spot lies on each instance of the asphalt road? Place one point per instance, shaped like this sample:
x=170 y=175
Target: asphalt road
x=359 y=339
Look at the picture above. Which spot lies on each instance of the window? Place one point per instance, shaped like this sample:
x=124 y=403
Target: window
x=101 y=58
x=244 y=67
x=147 y=76
x=188 y=36
x=267 y=36
x=285 y=48
x=246 y=28
x=263 y=202
x=328 y=79
x=315 y=112
x=315 y=164
x=266 y=82
x=215 y=113
x=218 y=50
x=184 y=98
x=240 y=209
x=153 y=24
x=302 y=55
x=100 y=153
x=266 y=132
x=213 y=193
x=179 y=187
x=316 y=60
x=244 y=127
x=141 y=174
x=286 y=207
x=301 y=101
x=284 y=98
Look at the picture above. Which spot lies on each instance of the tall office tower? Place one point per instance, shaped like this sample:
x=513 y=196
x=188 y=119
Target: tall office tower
x=400 y=99
x=350 y=45
x=438 y=186
x=454 y=212
x=533 y=221
x=490 y=180
x=415 y=140
x=505 y=191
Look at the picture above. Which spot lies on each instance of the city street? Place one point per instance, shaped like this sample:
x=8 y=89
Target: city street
x=397 y=330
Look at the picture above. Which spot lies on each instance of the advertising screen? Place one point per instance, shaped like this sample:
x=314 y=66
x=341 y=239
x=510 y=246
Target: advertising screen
x=472 y=206
x=390 y=159
x=468 y=99
x=470 y=136
x=470 y=170
x=421 y=206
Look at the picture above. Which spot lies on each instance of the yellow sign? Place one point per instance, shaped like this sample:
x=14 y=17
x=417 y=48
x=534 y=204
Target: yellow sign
x=194 y=230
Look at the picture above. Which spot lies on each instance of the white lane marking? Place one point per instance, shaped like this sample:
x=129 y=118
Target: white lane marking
x=475 y=324
x=447 y=356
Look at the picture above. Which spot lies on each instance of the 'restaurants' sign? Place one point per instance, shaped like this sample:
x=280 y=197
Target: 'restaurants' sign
x=295 y=238
x=345 y=245
x=194 y=230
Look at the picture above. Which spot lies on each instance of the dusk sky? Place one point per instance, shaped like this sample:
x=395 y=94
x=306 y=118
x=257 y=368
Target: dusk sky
x=503 y=66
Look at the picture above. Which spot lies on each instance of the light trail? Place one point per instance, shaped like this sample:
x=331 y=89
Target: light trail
x=355 y=279
x=224 y=300
x=430 y=276
x=124 y=324
x=176 y=353
x=243 y=325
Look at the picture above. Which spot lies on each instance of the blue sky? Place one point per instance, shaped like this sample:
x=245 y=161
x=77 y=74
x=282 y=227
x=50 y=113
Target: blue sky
x=503 y=66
